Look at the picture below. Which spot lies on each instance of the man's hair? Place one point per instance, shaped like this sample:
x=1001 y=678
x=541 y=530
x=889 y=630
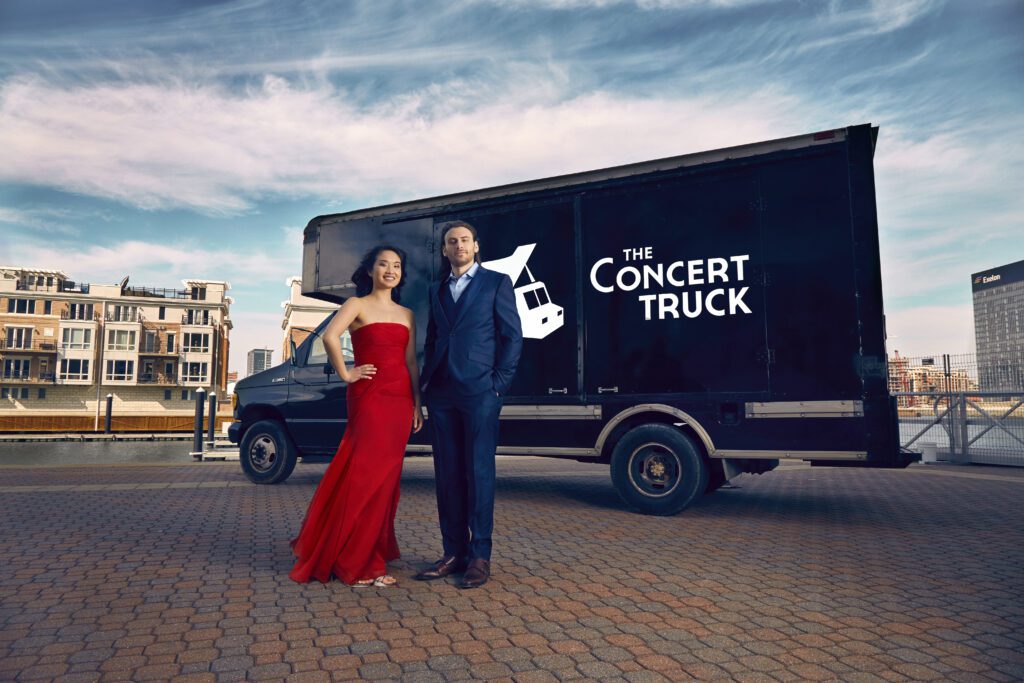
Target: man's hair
x=451 y=225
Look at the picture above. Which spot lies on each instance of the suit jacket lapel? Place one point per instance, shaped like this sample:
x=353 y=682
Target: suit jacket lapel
x=466 y=299
x=435 y=294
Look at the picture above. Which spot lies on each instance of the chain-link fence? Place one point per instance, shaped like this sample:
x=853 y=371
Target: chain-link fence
x=949 y=413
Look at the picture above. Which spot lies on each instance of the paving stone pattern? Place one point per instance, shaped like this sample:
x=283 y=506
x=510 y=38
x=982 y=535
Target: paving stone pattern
x=180 y=573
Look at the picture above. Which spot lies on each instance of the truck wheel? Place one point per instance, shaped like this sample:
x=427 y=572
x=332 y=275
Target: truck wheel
x=658 y=470
x=266 y=453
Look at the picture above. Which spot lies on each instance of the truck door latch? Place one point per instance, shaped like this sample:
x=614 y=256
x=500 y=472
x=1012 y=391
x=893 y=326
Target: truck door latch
x=607 y=390
x=563 y=390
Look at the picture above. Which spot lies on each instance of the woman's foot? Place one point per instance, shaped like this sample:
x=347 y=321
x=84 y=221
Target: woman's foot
x=384 y=581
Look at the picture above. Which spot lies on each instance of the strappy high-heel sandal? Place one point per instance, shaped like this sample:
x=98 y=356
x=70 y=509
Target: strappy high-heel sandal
x=383 y=581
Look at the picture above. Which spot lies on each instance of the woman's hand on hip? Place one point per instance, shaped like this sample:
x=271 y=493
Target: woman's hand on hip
x=359 y=372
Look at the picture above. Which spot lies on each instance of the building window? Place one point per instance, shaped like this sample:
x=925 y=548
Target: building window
x=151 y=344
x=47 y=307
x=193 y=372
x=195 y=342
x=74 y=368
x=169 y=370
x=18 y=338
x=163 y=313
x=21 y=306
x=42 y=393
x=120 y=370
x=196 y=316
x=128 y=314
x=186 y=395
x=199 y=293
x=24 y=393
x=5 y=392
x=17 y=368
x=167 y=394
x=170 y=342
x=80 y=312
x=76 y=338
x=120 y=340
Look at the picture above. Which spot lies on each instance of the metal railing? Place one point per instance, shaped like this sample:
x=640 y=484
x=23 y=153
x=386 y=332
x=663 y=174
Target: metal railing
x=125 y=317
x=66 y=315
x=157 y=378
x=157 y=292
x=961 y=427
x=33 y=285
x=45 y=345
x=26 y=377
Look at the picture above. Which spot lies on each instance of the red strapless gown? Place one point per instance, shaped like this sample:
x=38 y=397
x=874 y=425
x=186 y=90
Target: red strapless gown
x=349 y=529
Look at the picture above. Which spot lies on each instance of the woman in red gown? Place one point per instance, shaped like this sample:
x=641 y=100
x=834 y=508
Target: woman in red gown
x=349 y=529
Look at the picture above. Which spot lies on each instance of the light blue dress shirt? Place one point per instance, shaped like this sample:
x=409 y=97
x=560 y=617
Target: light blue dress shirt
x=457 y=285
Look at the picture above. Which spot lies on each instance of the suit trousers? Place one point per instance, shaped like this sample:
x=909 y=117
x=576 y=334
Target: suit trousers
x=464 y=433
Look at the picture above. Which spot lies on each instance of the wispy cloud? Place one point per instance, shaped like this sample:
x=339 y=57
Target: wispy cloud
x=211 y=150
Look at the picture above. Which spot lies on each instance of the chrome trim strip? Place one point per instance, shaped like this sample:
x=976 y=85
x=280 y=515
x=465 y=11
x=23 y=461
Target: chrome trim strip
x=792 y=455
x=313 y=419
x=527 y=450
x=798 y=409
x=551 y=412
x=545 y=412
x=655 y=408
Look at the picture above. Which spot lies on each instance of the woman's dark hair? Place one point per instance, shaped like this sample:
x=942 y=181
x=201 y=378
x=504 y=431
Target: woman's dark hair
x=364 y=281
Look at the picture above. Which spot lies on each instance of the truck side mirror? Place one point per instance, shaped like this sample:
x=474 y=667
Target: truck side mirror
x=291 y=347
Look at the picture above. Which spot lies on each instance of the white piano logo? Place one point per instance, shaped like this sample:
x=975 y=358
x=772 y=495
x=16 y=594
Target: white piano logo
x=538 y=315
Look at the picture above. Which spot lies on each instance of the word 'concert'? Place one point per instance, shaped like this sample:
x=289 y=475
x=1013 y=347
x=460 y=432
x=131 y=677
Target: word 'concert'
x=691 y=302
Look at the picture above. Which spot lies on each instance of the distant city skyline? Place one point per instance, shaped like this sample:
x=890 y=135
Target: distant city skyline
x=196 y=139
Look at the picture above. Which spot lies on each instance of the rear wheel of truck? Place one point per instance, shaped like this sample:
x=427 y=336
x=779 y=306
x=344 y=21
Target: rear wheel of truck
x=658 y=469
x=267 y=453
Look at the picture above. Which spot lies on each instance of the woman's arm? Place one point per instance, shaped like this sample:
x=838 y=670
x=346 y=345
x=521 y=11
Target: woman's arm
x=414 y=373
x=348 y=312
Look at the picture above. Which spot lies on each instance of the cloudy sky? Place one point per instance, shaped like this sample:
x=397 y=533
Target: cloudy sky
x=183 y=138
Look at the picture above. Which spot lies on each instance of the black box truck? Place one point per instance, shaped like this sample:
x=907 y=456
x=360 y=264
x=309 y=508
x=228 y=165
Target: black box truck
x=685 y=319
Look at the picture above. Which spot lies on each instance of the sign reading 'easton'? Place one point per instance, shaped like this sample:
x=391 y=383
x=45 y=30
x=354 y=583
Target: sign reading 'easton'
x=695 y=276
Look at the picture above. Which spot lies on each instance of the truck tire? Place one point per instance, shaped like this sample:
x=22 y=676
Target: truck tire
x=658 y=470
x=267 y=453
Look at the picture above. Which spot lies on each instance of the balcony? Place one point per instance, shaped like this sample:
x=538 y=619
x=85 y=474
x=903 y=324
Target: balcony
x=125 y=317
x=35 y=346
x=33 y=285
x=157 y=378
x=66 y=315
x=189 y=319
x=157 y=293
x=156 y=349
x=26 y=377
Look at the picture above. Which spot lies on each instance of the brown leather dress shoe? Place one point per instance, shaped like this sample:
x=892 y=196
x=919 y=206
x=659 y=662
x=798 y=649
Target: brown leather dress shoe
x=476 y=574
x=449 y=564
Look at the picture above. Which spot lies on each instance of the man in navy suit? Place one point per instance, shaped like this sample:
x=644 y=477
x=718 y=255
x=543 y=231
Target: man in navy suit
x=472 y=347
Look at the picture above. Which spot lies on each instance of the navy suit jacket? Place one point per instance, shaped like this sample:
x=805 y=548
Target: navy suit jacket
x=483 y=343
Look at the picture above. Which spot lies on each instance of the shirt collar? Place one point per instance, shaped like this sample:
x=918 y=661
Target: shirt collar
x=471 y=273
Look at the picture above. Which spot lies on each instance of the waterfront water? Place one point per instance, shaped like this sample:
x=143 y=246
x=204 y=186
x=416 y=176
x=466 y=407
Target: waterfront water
x=54 y=453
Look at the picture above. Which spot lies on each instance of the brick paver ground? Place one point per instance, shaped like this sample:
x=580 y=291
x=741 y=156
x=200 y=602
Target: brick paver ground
x=180 y=572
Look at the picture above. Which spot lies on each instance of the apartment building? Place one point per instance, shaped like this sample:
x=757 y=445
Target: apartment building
x=258 y=360
x=65 y=345
x=302 y=315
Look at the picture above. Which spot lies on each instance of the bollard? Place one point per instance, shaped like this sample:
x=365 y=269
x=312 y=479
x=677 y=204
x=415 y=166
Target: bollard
x=213 y=418
x=197 y=435
x=110 y=410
